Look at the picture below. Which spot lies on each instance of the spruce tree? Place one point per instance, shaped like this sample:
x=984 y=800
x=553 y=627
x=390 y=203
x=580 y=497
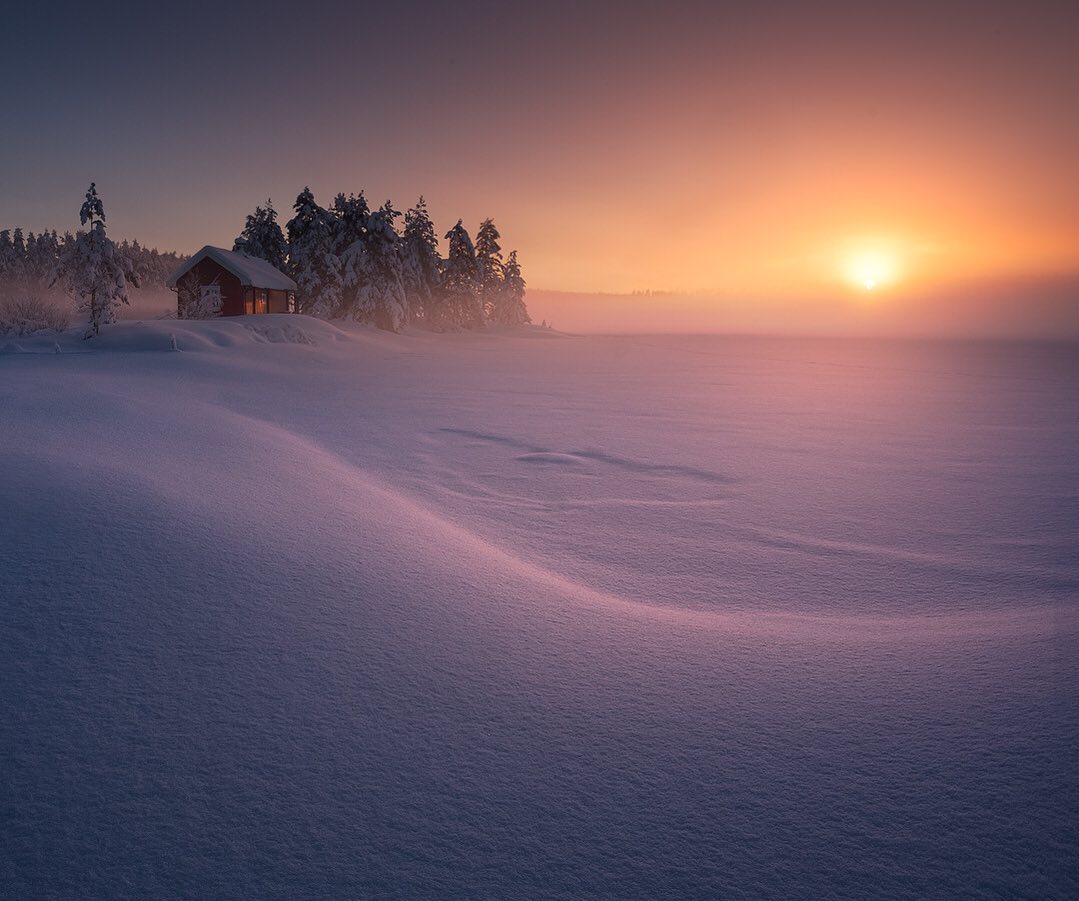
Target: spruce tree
x=93 y=268
x=313 y=265
x=350 y=220
x=372 y=275
x=262 y=237
x=17 y=263
x=350 y=217
x=420 y=267
x=511 y=309
x=31 y=255
x=7 y=256
x=460 y=279
x=489 y=279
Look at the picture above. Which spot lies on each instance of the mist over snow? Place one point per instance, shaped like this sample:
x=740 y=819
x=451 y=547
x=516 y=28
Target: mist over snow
x=1003 y=308
x=301 y=610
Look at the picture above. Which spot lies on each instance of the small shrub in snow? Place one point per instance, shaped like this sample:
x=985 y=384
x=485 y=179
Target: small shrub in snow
x=25 y=315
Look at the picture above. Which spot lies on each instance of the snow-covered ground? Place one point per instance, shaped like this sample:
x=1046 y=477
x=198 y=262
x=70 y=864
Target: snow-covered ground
x=304 y=612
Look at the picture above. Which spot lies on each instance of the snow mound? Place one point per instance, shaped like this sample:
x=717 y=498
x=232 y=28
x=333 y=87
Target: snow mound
x=286 y=333
x=156 y=335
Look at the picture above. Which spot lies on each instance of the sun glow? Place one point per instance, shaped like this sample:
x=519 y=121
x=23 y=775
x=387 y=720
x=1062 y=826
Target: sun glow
x=871 y=270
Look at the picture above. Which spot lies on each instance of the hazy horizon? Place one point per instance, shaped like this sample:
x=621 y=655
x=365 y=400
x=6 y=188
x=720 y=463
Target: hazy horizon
x=1045 y=309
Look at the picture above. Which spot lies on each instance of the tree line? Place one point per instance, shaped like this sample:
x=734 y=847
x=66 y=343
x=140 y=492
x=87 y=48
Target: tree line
x=348 y=261
x=89 y=266
x=28 y=262
x=351 y=261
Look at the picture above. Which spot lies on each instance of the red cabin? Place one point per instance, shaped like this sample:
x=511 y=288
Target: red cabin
x=232 y=283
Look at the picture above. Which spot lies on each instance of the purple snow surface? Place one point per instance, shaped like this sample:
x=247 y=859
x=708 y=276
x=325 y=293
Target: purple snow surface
x=303 y=612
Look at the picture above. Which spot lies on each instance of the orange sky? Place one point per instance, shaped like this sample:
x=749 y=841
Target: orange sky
x=731 y=188
x=774 y=150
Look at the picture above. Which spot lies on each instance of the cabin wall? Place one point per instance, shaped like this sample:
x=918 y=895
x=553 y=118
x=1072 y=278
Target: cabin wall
x=278 y=301
x=232 y=294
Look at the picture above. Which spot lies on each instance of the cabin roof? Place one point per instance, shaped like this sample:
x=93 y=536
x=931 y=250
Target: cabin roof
x=249 y=270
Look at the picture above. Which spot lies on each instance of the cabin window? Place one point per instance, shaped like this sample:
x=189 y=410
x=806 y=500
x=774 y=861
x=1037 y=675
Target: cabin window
x=261 y=301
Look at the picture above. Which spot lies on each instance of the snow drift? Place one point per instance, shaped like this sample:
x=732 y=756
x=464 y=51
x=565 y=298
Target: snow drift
x=297 y=610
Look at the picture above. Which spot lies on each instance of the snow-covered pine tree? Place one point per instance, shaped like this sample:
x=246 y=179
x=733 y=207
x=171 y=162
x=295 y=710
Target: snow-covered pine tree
x=460 y=279
x=93 y=269
x=372 y=273
x=54 y=245
x=489 y=268
x=350 y=217
x=262 y=237
x=511 y=309
x=421 y=267
x=30 y=268
x=30 y=257
x=7 y=256
x=142 y=262
x=350 y=220
x=15 y=264
x=125 y=248
x=312 y=263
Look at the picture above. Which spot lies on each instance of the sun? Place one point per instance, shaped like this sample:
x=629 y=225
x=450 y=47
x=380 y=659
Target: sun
x=871 y=270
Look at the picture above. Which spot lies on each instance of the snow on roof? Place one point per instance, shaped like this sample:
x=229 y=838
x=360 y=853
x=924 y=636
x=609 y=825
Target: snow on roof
x=249 y=270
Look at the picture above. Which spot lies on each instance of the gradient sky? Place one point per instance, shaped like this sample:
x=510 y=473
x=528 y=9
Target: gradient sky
x=758 y=150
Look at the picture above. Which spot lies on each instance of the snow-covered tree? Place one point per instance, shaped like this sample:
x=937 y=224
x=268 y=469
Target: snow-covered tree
x=511 y=309
x=151 y=266
x=7 y=256
x=193 y=301
x=131 y=253
x=312 y=263
x=13 y=257
x=460 y=278
x=93 y=269
x=421 y=268
x=262 y=237
x=19 y=244
x=351 y=214
x=373 y=287
x=31 y=255
x=489 y=274
x=42 y=256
